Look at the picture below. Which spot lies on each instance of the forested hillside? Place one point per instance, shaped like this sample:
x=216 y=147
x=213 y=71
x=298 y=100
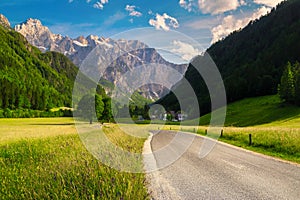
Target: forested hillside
x=30 y=79
x=251 y=60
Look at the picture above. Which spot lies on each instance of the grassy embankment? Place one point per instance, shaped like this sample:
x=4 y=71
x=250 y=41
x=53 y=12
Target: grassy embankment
x=275 y=128
x=45 y=159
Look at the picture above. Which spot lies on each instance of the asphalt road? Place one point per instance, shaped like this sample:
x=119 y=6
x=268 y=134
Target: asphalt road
x=226 y=173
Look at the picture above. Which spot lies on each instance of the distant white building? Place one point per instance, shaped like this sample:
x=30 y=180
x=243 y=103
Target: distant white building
x=181 y=117
x=165 y=117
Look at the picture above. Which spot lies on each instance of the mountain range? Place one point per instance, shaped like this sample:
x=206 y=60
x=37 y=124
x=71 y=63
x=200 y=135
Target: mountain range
x=251 y=62
x=136 y=53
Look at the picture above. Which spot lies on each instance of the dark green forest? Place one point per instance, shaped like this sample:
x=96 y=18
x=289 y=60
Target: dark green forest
x=32 y=82
x=251 y=60
x=30 y=79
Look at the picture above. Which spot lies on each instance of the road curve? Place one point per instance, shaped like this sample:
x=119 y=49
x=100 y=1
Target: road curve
x=226 y=173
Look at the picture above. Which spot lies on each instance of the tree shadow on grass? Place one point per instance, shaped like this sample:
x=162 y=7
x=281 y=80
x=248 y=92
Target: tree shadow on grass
x=53 y=124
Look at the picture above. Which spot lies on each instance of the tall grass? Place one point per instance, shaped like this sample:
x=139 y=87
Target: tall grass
x=280 y=142
x=275 y=127
x=58 y=166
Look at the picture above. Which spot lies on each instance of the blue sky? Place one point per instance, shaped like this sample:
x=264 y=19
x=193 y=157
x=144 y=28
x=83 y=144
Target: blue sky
x=205 y=21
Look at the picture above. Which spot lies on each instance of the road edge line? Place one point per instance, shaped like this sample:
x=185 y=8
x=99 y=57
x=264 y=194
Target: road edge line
x=158 y=187
x=246 y=150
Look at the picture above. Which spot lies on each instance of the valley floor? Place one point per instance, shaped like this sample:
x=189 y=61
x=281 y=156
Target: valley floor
x=44 y=158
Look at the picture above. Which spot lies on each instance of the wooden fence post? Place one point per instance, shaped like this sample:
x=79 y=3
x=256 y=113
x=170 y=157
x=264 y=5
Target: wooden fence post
x=250 y=139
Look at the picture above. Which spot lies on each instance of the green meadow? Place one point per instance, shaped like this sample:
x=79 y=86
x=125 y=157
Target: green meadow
x=45 y=159
x=274 y=127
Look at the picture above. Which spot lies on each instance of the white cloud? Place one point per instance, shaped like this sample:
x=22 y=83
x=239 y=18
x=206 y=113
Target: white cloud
x=100 y=4
x=203 y=23
x=132 y=11
x=231 y=23
x=211 y=6
x=270 y=3
x=260 y=12
x=150 y=12
x=114 y=18
x=160 y=22
x=187 y=4
x=218 y=6
x=135 y=14
x=129 y=8
x=185 y=50
x=243 y=2
x=104 y=1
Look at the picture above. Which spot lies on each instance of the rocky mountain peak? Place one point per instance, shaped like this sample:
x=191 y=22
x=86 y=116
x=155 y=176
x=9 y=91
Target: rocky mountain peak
x=37 y=34
x=34 y=22
x=82 y=40
x=138 y=53
x=4 y=21
x=92 y=37
x=31 y=25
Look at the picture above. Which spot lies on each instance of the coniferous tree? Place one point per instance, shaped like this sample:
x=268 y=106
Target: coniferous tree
x=297 y=83
x=287 y=84
x=99 y=106
x=107 y=112
x=86 y=107
x=289 y=88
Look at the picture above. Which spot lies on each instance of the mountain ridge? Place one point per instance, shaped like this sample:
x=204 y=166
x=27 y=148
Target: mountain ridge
x=136 y=52
x=4 y=21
